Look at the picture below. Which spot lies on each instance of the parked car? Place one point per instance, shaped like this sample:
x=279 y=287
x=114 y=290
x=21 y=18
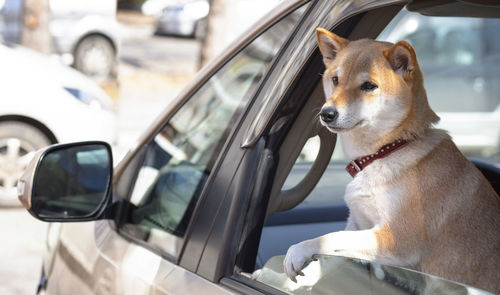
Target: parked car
x=154 y=7
x=188 y=18
x=84 y=33
x=44 y=102
x=213 y=192
x=183 y=18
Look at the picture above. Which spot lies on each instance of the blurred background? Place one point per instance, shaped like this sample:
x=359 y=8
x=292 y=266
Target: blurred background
x=73 y=70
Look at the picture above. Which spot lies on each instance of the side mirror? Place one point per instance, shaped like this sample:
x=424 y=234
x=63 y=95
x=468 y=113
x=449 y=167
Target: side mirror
x=68 y=182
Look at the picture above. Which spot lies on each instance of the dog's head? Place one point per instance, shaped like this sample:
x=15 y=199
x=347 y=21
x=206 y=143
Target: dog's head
x=372 y=87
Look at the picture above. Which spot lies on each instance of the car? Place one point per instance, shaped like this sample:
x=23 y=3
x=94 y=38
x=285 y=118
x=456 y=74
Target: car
x=154 y=7
x=183 y=18
x=217 y=189
x=84 y=33
x=44 y=102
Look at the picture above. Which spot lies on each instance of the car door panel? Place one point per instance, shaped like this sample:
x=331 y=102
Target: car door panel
x=91 y=257
x=181 y=281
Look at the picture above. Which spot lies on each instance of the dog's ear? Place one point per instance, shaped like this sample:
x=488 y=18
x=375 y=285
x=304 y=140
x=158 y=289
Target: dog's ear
x=329 y=44
x=402 y=59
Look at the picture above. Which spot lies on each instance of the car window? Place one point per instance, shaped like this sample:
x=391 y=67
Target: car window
x=181 y=156
x=460 y=58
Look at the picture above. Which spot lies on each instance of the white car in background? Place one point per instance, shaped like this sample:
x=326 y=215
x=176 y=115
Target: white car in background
x=43 y=102
x=183 y=18
x=84 y=33
x=188 y=18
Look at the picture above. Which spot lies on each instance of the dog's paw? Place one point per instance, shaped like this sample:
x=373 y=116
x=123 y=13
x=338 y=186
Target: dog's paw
x=296 y=256
x=255 y=274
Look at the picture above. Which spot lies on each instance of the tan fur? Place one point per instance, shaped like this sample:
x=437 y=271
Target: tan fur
x=425 y=206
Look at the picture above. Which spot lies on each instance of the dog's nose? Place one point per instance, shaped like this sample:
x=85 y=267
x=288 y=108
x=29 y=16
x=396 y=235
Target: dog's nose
x=328 y=114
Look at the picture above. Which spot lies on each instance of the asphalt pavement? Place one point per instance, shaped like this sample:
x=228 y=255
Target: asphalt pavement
x=152 y=70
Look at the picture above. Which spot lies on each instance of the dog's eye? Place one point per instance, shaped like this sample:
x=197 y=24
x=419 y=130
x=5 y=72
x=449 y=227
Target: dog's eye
x=368 y=86
x=335 y=80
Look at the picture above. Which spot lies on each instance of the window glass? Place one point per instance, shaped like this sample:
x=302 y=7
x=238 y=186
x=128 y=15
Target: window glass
x=181 y=156
x=339 y=275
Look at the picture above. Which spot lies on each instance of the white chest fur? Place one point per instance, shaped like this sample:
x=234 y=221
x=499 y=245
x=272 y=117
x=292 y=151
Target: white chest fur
x=375 y=194
x=369 y=203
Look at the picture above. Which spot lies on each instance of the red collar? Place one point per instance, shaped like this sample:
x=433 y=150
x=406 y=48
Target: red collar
x=358 y=164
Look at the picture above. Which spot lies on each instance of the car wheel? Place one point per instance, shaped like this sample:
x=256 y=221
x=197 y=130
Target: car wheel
x=95 y=57
x=18 y=142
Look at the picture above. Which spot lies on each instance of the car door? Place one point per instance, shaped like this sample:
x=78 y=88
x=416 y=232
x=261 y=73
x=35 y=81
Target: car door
x=153 y=244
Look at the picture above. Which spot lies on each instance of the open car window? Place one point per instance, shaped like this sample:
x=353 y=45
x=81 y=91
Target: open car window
x=340 y=275
x=462 y=79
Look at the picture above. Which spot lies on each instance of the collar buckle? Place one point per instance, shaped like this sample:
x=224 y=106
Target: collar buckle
x=355 y=165
x=353 y=168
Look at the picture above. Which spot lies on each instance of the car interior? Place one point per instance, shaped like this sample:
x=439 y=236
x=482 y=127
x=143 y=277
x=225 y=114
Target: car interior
x=289 y=217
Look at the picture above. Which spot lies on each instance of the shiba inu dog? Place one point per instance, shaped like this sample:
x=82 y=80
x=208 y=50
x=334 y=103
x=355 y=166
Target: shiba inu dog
x=414 y=200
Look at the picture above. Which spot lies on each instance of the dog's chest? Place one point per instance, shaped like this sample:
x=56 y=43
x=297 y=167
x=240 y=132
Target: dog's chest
x=370 y=201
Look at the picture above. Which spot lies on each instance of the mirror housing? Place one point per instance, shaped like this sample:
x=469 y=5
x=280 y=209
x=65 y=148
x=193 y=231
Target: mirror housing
x=68 y=182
